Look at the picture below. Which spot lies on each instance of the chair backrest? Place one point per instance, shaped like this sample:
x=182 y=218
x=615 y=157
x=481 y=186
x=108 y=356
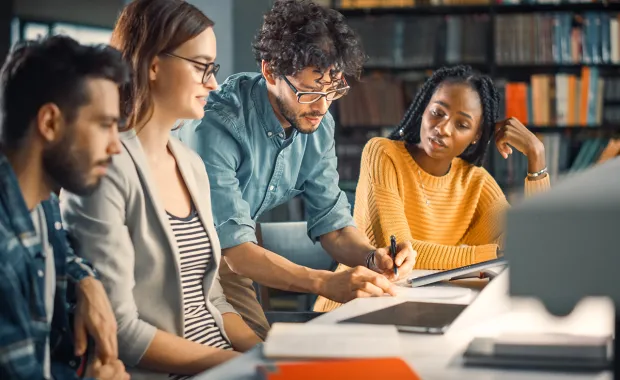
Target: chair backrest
x=290 y=240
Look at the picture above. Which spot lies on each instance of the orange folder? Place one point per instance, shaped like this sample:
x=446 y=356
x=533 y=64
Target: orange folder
x=358 y=369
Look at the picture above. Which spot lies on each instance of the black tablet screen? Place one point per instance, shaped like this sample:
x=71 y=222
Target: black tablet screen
x=425 y=317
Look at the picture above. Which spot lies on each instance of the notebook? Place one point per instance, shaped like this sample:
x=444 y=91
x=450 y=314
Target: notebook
x=318 y=341
x=358 y=369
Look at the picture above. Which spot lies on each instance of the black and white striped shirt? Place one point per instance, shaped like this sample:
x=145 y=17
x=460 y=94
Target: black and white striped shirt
x=196 y=254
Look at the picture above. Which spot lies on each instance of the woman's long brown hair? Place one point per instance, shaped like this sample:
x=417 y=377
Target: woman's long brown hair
x=144 y=30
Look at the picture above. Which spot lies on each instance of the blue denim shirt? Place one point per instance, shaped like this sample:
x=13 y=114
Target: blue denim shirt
x=253 y=167
x=23 y=323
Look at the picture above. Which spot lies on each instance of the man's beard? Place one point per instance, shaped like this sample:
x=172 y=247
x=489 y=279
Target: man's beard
x=294 y=120
x=68 y=167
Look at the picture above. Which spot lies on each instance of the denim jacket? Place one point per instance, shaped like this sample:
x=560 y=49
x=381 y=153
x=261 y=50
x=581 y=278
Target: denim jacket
x=23 y=323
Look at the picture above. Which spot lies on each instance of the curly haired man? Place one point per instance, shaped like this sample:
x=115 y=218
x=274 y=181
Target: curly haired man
x=268 y=137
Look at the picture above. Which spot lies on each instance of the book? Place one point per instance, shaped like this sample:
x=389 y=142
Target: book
x=358 y=369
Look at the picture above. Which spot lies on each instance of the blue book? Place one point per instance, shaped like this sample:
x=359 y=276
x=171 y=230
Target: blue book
x=605 y=38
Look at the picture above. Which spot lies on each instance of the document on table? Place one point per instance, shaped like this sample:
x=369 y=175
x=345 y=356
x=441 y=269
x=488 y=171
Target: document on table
x=317 y=341
x=440 y=291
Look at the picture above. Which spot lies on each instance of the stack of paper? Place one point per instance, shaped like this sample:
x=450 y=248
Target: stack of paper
x=317 y=341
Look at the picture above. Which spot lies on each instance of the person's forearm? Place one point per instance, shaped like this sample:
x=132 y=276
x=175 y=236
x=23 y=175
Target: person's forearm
x=536 y=158
x=272 y=270
x=242 y=337
x=172 y=354
x=347 y=246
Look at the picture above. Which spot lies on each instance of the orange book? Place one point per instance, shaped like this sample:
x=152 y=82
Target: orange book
x=584 y=101
x=572 y=94
x=358 y=369
x=516 y=101
x=612 y=150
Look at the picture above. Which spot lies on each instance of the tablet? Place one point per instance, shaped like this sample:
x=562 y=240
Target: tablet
x=418 y=317
x=489 y=268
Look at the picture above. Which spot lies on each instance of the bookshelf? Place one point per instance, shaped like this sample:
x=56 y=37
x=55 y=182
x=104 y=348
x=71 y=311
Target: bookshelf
x=556 y=65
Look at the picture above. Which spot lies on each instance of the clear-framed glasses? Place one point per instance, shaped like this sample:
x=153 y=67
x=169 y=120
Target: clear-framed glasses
x=307 y=97
x=209 y=68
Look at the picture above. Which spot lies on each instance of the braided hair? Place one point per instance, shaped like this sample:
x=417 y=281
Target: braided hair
x=409 y=128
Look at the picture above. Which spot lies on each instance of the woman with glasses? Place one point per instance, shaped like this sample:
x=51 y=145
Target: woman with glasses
x=148 y=229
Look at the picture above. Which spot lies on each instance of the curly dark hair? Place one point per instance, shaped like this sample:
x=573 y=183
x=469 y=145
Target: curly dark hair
x=297 y=34
x=409 y=128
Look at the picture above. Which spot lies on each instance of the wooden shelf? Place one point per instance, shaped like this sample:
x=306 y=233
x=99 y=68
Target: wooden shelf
x=573 y=129
x=484 y=67
x=561 y=7
x=502 y=70
x=483 y=8
x=421 y=10
x=533 y=128
x=552 y=68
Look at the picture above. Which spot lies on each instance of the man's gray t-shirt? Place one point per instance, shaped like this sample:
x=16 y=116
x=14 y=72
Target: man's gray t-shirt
x=40 y=226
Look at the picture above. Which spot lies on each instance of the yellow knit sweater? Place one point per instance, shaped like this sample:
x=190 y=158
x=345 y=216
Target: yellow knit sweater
x=451 y=221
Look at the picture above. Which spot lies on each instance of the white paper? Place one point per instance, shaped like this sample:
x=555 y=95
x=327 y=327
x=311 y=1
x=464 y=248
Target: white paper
x=295 y=340
x=439 y=293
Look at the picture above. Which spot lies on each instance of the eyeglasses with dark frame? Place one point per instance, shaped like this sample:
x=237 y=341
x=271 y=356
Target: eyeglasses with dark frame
x=210 y=68
x=308 y=97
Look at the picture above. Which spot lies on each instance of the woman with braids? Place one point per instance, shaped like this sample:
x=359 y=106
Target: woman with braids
x=426 y=183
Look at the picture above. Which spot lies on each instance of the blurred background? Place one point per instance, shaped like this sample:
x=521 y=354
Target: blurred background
x=556 y=64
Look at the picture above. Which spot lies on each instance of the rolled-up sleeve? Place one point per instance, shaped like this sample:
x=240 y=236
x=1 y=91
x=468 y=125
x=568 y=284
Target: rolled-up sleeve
x=217 y=141
x=327 y=206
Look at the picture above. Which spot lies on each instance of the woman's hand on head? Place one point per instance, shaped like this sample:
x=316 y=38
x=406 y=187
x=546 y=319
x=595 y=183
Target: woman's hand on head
x=511 y=133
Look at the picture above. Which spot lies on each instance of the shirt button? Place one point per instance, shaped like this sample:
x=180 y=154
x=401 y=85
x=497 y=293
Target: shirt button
x=40 y=273
x=72 y=363
x=281 y=135
x=271 y=188
x=57 y=226
x=269 y=134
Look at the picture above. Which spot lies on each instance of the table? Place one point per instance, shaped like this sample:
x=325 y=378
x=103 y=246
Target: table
x=439 y=356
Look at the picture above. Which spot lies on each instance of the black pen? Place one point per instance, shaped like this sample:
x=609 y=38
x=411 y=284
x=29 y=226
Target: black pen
x=393 y=252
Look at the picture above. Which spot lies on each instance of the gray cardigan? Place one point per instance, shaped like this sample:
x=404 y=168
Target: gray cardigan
x=125 y=233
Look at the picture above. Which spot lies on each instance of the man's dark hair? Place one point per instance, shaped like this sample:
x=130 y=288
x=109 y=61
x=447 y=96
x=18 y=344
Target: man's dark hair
x=409 y=128
x=51 y=70
x=297 y=34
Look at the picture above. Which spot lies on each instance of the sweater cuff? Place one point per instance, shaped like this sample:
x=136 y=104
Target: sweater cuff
x=485 y=253
x=324 y=305
x=538 y=186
